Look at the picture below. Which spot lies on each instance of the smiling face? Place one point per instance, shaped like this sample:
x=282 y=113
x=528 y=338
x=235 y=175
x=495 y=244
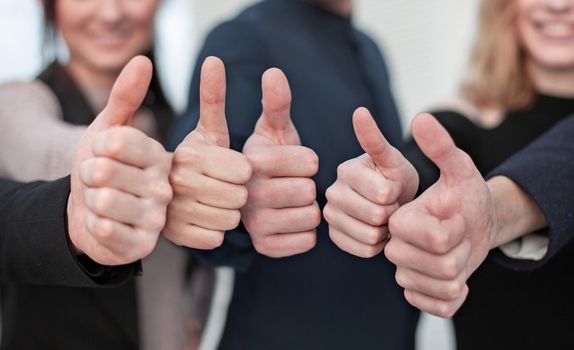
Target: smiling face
x=546 y=31
x=103 y=35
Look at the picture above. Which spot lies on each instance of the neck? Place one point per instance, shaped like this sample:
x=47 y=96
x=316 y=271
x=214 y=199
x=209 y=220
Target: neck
x=95 y=84
x=341 y=7
x=556 y=82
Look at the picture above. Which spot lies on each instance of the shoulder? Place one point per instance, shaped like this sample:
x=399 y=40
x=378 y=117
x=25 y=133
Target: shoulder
x=17 y=96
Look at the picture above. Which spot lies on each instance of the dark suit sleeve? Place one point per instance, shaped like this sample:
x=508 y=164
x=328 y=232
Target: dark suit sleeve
x=545 y=170
x=34 y=245
x=243 y=52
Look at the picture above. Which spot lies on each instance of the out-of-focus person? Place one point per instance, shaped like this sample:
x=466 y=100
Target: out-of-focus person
x=521 y=84
x=41 y=123
x=294 y=289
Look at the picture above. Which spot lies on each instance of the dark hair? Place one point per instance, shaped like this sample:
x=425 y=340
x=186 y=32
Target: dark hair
x=156 y=99
x=49 y=42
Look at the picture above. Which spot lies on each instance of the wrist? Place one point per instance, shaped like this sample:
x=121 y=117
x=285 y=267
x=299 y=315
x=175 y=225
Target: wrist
x=515 y=212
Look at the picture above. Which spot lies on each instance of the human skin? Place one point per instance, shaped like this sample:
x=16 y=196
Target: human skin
x=119 y=180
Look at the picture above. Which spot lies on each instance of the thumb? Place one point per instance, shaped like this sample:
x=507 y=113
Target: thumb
x=438 y=146
x=127 y=94
x=276 y=115
x=212 y=123
x=373 y=142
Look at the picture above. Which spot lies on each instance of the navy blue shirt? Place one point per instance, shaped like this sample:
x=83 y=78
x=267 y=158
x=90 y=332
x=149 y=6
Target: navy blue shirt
x=325 y=298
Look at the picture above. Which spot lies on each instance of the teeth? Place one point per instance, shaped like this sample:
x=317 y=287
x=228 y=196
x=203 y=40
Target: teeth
x=557 y=29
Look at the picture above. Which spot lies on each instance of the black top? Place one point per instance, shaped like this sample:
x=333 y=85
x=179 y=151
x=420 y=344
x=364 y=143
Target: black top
x=325 y=298
x=48 y=317
x=507 y=307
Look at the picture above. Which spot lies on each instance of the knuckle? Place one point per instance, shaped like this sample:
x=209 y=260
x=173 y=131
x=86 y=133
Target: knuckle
x=328 y=213
x=186 y=155
x=437 y=242
x=382 y=194
x=309 y=242
x=378 y=215
x=254 y=222
x=103 y=201
x=342 y=170
x=215 y=240
x=309 y=192
x=312 y=160
x=160 y=191
x=116 y=141
x=257 y=160
x=103 y=229
x=369 y=251
x=263 y=246
x=234 y=218
x=242 y=195
x=102 y=172
x=315 y=216
x=156 y=220
x=449 y=268
x=246 y=170
x=453 y=289
x=373 y=236
x=444 y=309
x=401 y=279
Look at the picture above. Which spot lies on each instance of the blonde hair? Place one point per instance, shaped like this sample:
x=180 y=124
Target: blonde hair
x=498 y=78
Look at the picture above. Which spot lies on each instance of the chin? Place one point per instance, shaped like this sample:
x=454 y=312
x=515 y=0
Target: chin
x=556 y=61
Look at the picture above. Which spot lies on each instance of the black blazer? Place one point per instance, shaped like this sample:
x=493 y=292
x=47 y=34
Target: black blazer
x=325 y=298
x=34 y=245
x=545 y=170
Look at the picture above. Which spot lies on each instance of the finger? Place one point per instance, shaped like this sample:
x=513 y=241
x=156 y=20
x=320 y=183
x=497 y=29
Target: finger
x=276 y=101
x=121 y=240
x=209 y=191
x=443 y=267
x=438 y=146
x=268 y=221
x=447 y=290
x=205 y=216
x=374 y=143
x=192 y=236
x=352 y=246
x=437 y=307
x=127 y=94
x=129 y=145
x=105 y=172
x=285 y=244
x=212 y=122
x=353 y=204
x=284 y=161
x=368 y=182
x=216 y=162
x=122 y=207
x=358 y=230
x=426 y=231
x=282 y=192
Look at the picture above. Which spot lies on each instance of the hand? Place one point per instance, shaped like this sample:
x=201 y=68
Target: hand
x=281 y=212
x=440 y=238
x=120 y=187
x=368 y=190
x=207 y=177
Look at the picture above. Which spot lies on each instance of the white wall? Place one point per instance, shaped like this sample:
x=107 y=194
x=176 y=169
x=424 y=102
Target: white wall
x=426 y=43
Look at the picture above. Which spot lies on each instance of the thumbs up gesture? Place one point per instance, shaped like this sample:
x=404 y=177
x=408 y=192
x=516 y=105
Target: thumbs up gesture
x=368 y=190
x=439 y=239
x=207 y=177
x=281 y=213
x=119 y=181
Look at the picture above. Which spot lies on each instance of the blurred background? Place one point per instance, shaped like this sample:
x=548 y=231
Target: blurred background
x=426 y=45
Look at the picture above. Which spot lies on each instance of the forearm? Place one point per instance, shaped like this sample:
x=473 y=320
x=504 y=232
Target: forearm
x=517 y=214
